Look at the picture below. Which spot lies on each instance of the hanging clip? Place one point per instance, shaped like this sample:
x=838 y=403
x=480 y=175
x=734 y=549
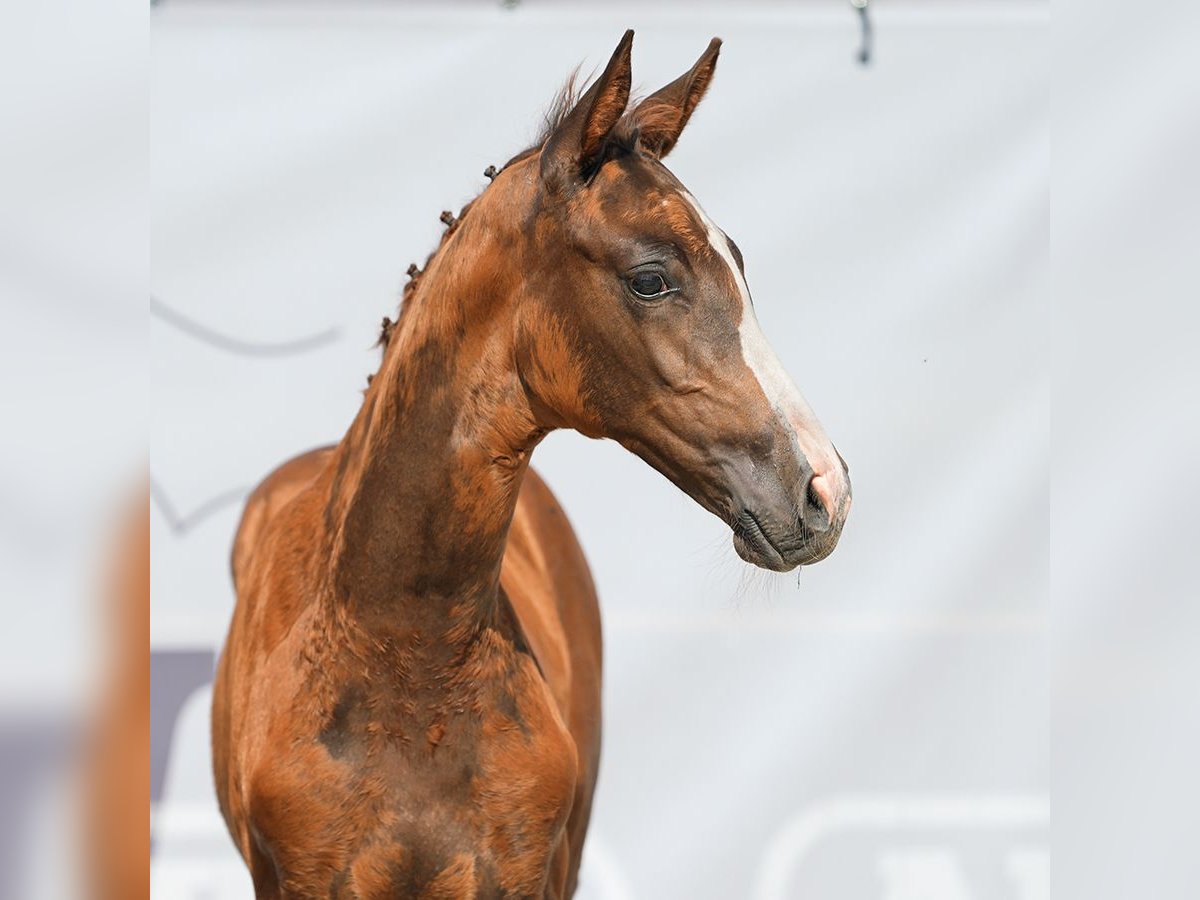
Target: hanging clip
x=864 y=20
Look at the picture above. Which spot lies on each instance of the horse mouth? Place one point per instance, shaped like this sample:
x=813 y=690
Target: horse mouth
x=754 y=544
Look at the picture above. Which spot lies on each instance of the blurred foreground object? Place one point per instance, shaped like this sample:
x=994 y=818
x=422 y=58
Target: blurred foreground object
x=73 y=274
x=117 y=792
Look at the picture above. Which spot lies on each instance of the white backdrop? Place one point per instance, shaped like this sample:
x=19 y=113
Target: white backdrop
x=878 y=729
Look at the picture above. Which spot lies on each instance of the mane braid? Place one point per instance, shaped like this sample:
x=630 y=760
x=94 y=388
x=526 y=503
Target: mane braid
x=415 y=274
x=621 y=140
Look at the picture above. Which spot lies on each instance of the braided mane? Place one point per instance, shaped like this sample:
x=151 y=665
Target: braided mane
x=622 y=139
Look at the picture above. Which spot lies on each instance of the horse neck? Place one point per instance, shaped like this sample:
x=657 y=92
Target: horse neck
x=425 y=482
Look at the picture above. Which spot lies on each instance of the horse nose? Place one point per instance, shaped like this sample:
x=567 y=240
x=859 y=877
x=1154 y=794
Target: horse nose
x=845 y=465
x=818 y=510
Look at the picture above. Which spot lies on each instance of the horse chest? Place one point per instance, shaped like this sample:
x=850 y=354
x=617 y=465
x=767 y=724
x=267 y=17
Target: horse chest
x=469 y=798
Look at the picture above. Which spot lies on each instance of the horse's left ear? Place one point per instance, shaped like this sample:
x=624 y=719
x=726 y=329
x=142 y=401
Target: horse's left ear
x=578 y=139
x=661 y=117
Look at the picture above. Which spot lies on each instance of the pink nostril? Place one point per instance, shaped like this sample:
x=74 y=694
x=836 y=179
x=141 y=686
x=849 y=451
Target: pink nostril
x=823 y=490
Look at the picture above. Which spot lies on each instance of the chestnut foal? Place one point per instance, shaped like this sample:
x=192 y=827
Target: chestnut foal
x=408 y=703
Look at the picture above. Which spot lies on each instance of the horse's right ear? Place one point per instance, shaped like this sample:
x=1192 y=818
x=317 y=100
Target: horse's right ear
x=662 y=116
x=579 y=137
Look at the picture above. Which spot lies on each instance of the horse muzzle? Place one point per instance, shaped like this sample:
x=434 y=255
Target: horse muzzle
x=782 y=533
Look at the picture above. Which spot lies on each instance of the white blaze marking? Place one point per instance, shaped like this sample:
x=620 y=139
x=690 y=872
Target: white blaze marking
x=779 y=389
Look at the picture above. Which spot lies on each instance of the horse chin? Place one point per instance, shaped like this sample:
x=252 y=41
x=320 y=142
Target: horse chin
x=756 y=548
x=760 y=553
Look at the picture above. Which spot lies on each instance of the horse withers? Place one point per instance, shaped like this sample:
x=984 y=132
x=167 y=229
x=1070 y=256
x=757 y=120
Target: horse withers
x=408 y=702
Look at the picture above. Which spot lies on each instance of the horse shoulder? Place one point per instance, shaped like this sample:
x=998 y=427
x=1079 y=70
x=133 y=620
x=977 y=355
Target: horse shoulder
x=546 y=578
x=271 y=495
x=270 y=595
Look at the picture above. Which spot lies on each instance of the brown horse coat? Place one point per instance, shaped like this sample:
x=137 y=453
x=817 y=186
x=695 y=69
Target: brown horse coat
x=525 y=798
x=408 y=703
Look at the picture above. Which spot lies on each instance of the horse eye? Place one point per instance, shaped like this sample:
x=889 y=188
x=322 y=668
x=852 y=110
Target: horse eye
x=648 y=285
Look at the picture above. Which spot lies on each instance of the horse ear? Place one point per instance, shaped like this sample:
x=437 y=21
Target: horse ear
x=662 y=116
x=580 y=135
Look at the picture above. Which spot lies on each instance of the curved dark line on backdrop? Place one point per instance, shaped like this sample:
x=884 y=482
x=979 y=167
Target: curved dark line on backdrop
x=182 y=524
x=237 y=345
